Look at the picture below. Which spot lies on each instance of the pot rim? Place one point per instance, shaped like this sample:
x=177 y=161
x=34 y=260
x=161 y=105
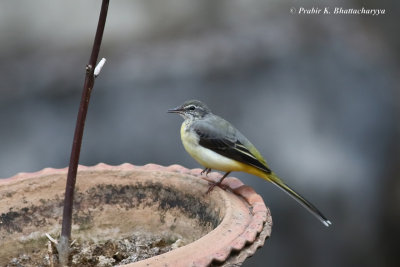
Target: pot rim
x=254 y=230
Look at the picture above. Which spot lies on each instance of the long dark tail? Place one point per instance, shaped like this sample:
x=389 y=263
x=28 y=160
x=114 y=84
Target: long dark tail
x=272 y=177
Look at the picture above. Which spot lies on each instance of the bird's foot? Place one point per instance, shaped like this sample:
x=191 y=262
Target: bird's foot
x=206 y=170
x=219 y=184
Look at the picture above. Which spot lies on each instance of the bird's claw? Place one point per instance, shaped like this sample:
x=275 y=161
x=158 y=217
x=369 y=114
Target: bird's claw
x=219 y=184
x=206 y=170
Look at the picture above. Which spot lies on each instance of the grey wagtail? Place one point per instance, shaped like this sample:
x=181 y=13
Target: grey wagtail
x=216 y=144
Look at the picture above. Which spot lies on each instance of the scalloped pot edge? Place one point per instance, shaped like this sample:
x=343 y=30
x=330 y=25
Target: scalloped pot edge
x=259 y=218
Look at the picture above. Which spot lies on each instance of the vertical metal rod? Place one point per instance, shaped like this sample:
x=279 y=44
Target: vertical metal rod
x=80 y=124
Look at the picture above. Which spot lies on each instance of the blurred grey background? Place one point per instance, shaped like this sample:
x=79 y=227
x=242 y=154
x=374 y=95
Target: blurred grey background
x=317 y=94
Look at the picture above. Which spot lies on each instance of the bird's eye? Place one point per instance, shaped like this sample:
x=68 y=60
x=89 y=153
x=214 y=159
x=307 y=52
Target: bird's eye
x=191 y=107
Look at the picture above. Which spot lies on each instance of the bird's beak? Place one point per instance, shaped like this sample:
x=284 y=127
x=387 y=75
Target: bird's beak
x=175 y=110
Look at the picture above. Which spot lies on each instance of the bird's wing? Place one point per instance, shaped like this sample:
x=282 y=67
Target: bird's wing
x=221 y=137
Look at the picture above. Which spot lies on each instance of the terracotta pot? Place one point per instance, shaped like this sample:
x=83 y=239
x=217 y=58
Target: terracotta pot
x=116 y=200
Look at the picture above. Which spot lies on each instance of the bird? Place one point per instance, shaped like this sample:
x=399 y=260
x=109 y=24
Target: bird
x=216 y=144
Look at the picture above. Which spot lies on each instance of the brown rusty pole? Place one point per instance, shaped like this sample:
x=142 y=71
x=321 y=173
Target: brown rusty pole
x=63 y=245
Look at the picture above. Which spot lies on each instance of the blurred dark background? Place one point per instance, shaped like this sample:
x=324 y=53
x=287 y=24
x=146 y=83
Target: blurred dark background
x=317 y=94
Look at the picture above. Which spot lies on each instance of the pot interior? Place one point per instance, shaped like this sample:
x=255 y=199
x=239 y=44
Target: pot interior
x=107 y=204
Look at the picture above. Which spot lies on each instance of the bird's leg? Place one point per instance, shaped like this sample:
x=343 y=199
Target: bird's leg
x=206 y=170
x=217 y=183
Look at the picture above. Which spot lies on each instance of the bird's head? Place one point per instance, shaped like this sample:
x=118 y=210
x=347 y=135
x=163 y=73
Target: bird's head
x=192 y=109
